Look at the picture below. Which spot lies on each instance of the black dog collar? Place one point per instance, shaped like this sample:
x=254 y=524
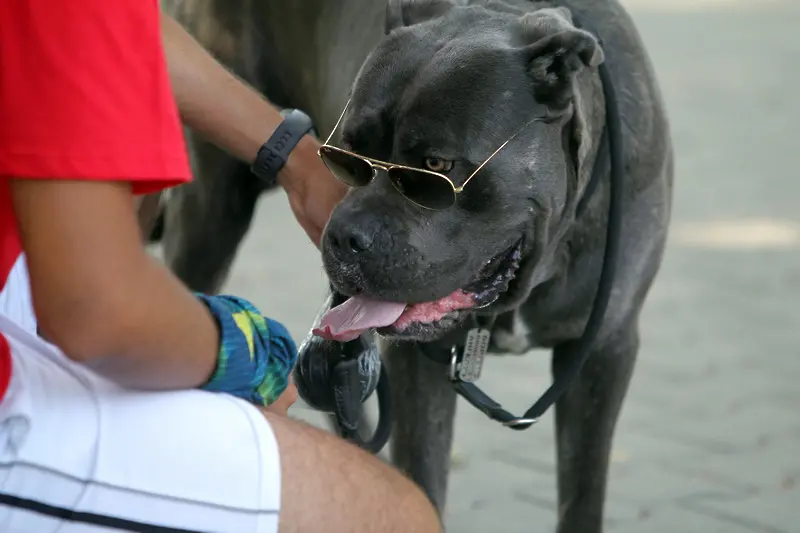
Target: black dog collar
x=274 y=153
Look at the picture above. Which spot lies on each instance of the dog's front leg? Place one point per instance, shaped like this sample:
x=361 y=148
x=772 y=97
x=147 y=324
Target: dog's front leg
x=585 y=420
x=425 y=407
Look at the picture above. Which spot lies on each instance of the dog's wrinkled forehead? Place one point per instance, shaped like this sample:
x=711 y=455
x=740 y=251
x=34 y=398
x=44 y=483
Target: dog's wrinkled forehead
x=468 y=76
x=447 y=90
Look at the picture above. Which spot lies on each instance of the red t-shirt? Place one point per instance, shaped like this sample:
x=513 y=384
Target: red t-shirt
x=84 y=94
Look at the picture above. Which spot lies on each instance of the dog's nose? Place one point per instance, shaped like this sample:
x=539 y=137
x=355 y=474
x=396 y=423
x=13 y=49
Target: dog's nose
x=350 y=238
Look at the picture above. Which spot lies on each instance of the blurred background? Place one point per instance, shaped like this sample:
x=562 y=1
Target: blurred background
x=709 y=438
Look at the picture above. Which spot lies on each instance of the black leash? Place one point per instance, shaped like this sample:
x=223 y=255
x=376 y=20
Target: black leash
x=346 y=379
x=347 y=409
x=338 y=377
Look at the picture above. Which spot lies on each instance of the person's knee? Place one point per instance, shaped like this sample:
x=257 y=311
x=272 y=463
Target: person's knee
x=328 y=482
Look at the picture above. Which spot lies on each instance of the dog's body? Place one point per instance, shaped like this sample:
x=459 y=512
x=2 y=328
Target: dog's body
x=460 y=80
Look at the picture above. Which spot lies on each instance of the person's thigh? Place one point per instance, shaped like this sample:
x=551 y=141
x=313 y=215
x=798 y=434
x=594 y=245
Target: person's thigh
x=332 y=486
x=79 y=454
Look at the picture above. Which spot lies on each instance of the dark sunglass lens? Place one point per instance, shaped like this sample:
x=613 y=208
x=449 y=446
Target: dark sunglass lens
x=427 y=190
x=352 y=170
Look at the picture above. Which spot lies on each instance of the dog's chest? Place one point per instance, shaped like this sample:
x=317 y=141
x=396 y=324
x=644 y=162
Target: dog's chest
x=510 y=334
x=518 y=332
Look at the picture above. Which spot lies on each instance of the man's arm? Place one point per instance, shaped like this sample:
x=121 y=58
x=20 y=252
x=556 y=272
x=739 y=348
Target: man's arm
x=88 y=115
x=100 y=297
x=213 y=101
x=238 y=119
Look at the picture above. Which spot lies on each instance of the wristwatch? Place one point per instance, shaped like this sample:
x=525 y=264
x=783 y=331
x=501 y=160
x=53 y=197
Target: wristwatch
x=274 y=153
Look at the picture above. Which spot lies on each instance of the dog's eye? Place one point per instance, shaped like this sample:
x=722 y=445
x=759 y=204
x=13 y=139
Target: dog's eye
x=437 y=164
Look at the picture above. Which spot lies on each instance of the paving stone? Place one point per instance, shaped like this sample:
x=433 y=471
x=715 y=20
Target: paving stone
x=773 y=464
x=775 y=511
x=671 y=518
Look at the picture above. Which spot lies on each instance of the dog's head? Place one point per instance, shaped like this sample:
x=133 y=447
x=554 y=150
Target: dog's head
x=446 y=88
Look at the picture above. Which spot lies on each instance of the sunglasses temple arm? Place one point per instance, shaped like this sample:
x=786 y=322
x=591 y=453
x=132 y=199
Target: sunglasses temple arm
x=496 y=151
x=336 y=126
x=484 y=164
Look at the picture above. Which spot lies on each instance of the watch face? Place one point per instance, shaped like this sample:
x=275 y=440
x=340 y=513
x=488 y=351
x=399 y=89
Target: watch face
x=285 y=112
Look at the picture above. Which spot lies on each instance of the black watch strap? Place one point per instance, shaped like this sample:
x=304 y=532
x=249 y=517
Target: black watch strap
x=274 y=153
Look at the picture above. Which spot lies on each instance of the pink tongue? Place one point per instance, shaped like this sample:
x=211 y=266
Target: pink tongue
x=347 y=321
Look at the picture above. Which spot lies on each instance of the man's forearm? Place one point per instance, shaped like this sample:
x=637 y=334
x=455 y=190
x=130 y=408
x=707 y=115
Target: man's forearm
x=238 y=119
x=99 y=296
x=213 y=101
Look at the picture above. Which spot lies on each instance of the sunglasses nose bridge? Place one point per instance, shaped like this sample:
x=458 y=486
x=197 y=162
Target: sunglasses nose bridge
x=376 y=167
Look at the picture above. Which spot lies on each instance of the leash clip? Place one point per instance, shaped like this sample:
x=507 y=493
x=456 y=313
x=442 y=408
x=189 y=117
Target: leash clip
x=465 y=369
x=520 y=423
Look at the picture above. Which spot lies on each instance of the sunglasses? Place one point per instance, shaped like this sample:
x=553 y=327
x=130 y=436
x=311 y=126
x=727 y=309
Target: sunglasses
x=425 y=188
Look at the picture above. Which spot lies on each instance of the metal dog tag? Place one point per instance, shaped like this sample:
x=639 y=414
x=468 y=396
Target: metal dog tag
x=475 y=348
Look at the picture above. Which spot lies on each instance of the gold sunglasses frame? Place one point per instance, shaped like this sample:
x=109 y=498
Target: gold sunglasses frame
x=376 y=164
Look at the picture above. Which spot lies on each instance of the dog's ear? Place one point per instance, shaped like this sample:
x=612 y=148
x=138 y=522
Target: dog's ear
x=401 y=13
x=556 y=52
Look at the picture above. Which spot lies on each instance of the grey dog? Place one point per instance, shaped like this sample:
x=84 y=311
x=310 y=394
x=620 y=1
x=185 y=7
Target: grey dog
x=440 y=85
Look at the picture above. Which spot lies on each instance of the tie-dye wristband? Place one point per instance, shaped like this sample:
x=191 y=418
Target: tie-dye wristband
x=256 y=354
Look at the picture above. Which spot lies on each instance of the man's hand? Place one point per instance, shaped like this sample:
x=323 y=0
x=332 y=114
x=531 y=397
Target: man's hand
x=285 y=401
x=313 y=191
x=238 y=119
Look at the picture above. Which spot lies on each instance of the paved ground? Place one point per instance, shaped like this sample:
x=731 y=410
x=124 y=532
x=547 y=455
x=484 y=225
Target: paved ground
x=709 y=440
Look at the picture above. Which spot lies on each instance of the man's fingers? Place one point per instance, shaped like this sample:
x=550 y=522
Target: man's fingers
x=285 y=401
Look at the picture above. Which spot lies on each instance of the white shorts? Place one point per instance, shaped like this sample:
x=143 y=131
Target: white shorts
x=80 y=454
